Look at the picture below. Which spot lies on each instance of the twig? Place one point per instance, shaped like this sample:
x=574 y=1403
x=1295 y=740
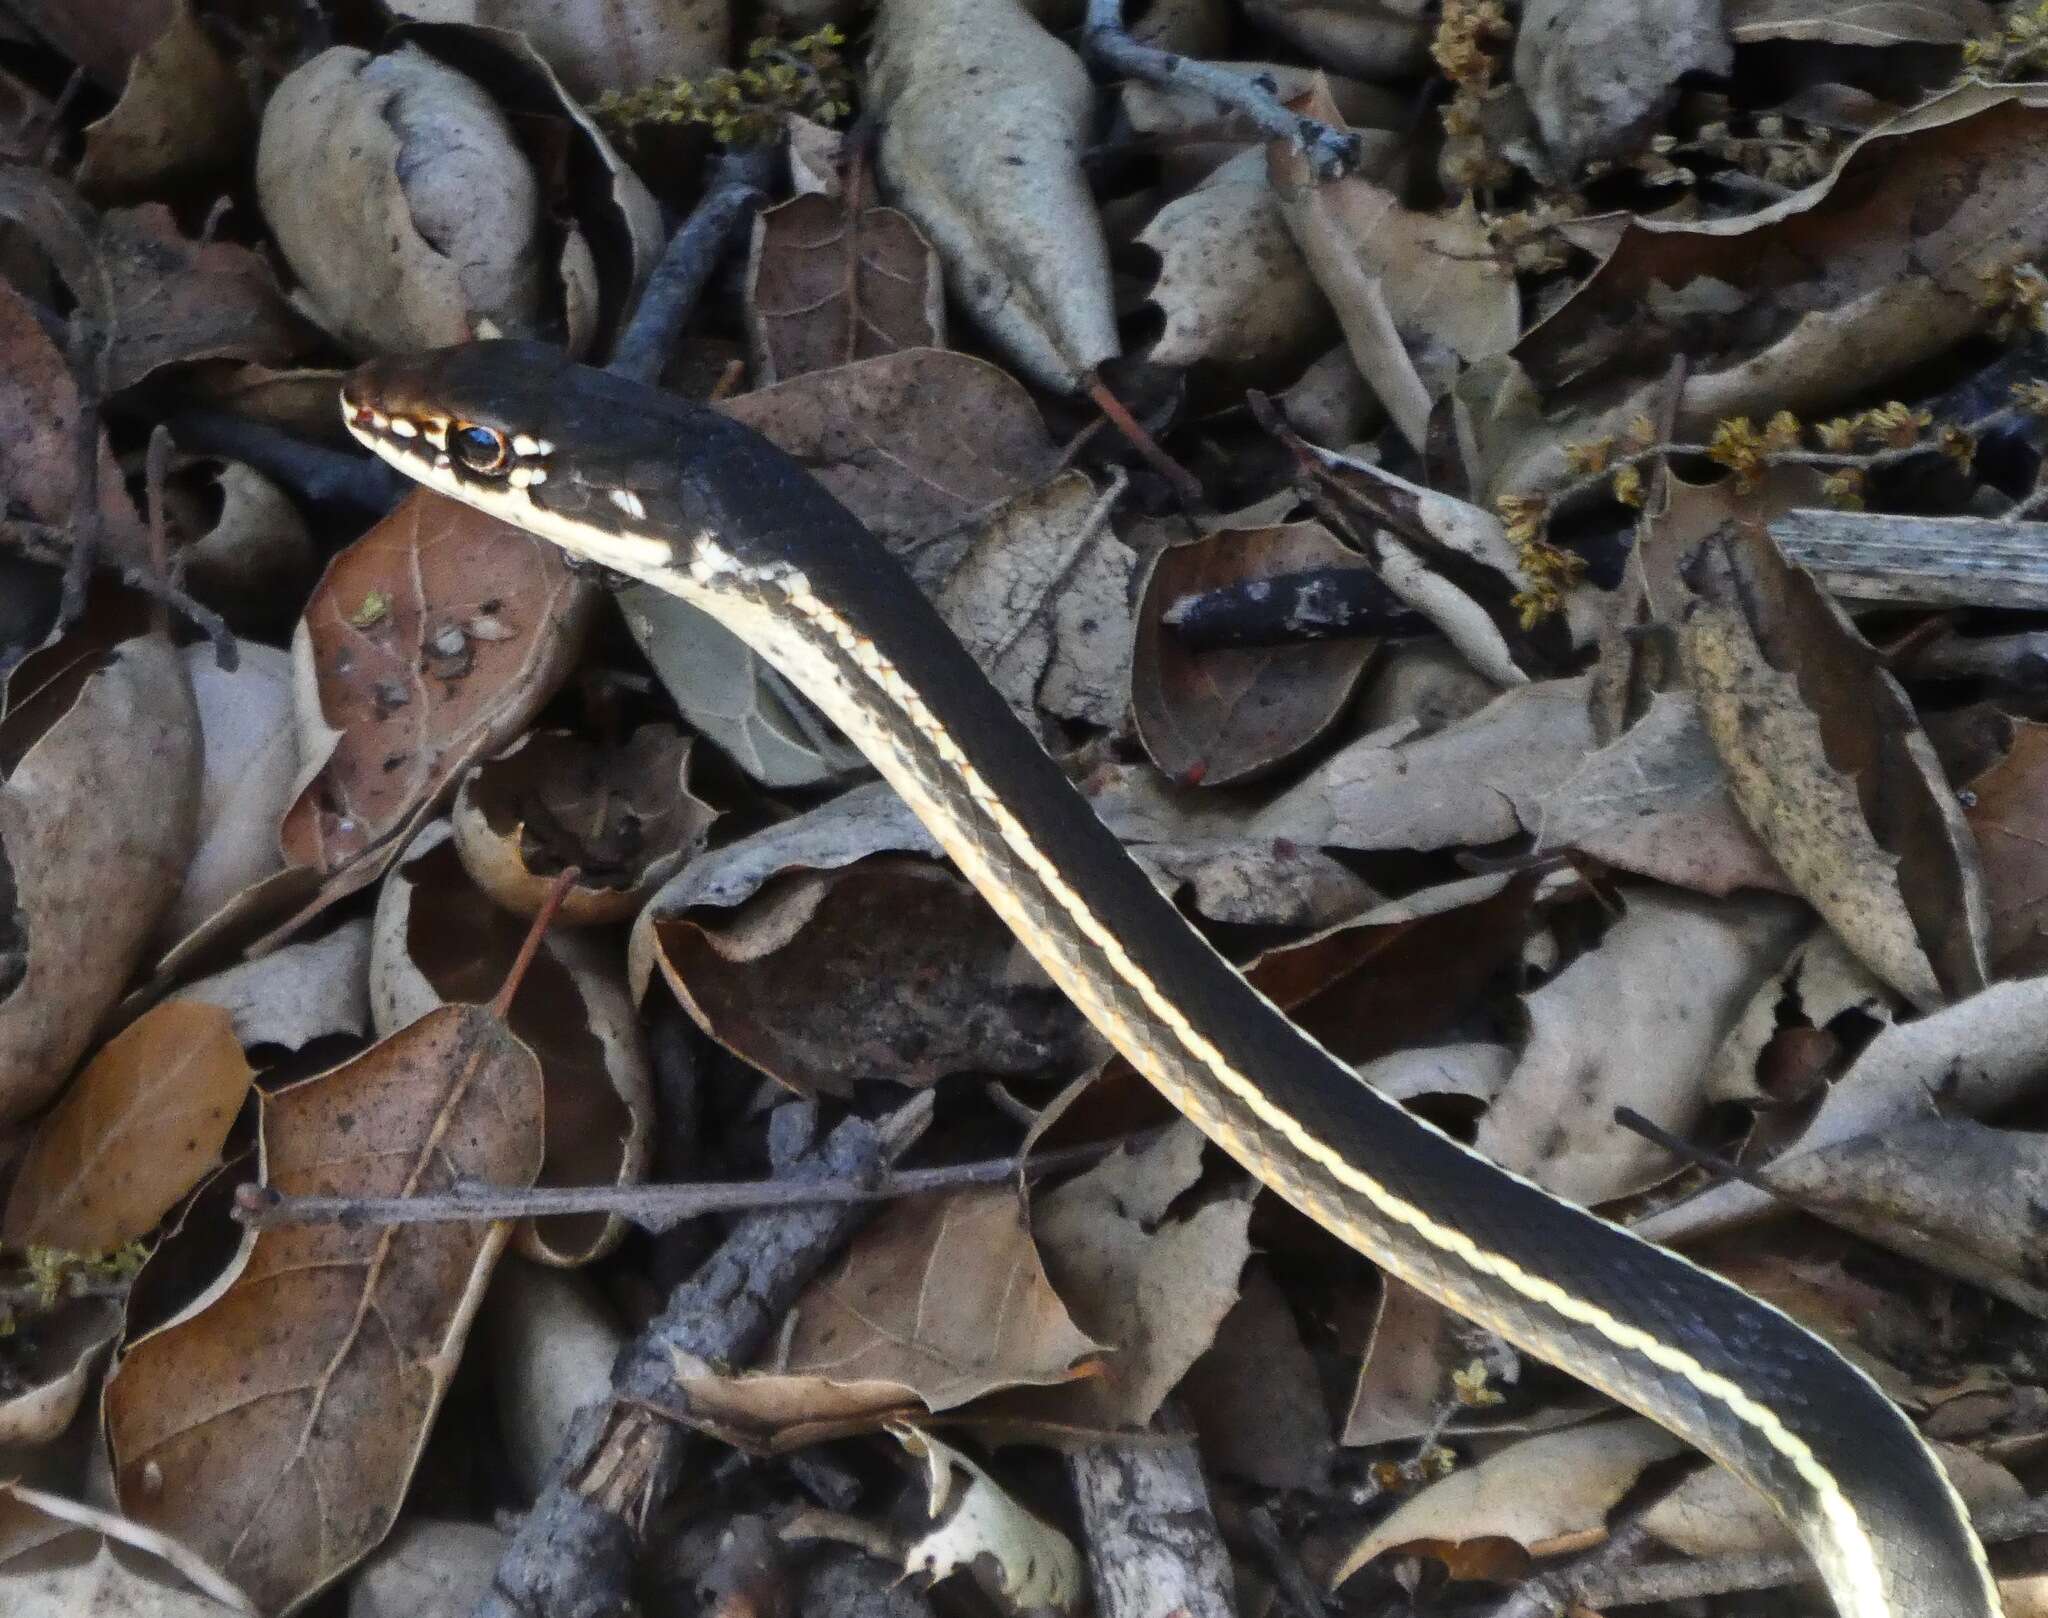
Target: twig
x=1289 y=609
x=42 y=542
x=1721 y=1575
x=1183 y=482
x=1331 y=152
x=655 y=1208
x=360 y=481
x=529 y=946
x=1285 y=1564
x=739 y=185
x=573 y=1554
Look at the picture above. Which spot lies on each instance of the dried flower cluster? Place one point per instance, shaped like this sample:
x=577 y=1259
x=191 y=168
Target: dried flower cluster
x=745 y=106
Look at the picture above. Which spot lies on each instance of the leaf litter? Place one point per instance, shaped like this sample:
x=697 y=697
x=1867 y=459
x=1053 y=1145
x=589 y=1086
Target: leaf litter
x=1574 y=798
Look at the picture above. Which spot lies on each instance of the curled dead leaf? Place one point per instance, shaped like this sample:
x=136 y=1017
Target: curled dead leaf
x=1151 y=1285
x=626 y=819
x=272 y=1427
x=1831 y=769
x=1036 y=1567
x=620 y=45
x=408 y=671
x=399 y=195
x=1042 y=602
x=891 y=969
x=939 y=1301
x=1233 y=287
x=984 y=116
x=249 y=759
x=1210 y=718
x=1632 y=1024
x=135 y=1132
x=829 y=283
x=439 y=941
x=1545 y=1495
x=99 y=788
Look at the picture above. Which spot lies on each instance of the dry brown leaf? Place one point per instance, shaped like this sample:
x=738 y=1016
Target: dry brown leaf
x=1255 y=1397
x=182 y=120
x=273 y=1427
x=1547 y=1495
x=1830 y=767
x=1818 y=982
x=99 y=788
x=551 y=1339
x=1633 y=1023
x=400 y=197
x=1153 y=1286
x=1978 y=1056
x=297 y=994
x=868 y=819
x=620 y=45
x=247 y=552
x=176 y=300
x=1032 y=1567
x=60 y=1352
x=1824 y=296
x=892 y=969
x=1862 y=22
x=1210 y=718
x=1403 y=971
x=440 y=941
x=624 y=817
x=2008 y=811
x=135 y=1132
x=1234 y=289
x=1455 y=786
x=984 y=116
x=1415 y=1347
x=428 y=643
x=1042 y=602
x=39 y=432
x=1950 y=1193
x=916 y=444
x=1398 y=279
x=827 y=286
x=60 y=1558
x=1599 y=79
x=1655 y=801
x=939 y=1301
x=249 y=763
x=919 y=445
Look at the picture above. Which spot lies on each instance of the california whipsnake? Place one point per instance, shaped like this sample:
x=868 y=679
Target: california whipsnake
x=691 y=502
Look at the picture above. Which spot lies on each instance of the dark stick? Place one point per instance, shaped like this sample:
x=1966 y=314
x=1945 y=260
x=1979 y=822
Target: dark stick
x=307 y=470
x=655 y=1208
x=739 y=185
x=573 y=1554
x=1290 y=609
x=1331 y=152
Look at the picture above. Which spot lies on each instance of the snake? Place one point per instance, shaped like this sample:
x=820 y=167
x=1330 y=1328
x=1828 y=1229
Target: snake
x=685 y=498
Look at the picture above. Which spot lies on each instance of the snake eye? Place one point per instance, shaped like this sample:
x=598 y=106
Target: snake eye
x=481 y=449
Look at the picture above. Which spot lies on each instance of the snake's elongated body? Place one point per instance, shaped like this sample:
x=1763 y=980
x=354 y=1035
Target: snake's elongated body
x=695 y=504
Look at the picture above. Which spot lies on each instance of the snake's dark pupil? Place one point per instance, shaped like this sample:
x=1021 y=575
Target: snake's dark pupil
x=481 y=449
